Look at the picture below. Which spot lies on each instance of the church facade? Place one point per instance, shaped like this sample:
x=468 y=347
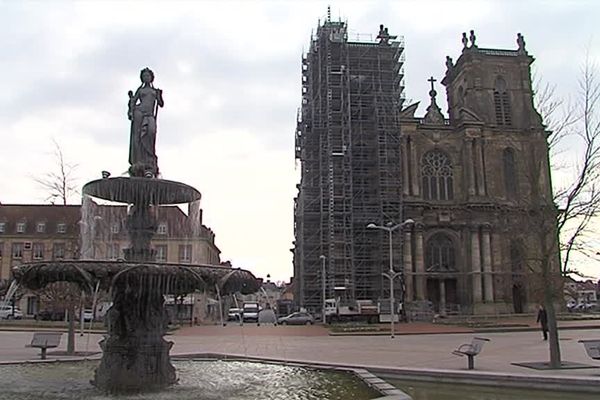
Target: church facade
x=469 y=182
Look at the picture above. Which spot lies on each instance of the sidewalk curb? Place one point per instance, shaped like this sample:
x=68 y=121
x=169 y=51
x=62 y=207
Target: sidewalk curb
x=457 y=332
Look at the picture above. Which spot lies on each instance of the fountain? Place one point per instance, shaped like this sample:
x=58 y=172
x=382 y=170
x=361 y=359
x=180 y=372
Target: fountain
x=135 y=354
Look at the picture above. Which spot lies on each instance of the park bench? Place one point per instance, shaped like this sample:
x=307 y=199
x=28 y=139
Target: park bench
x=44 y=341
x=471 y=350
x=592 y=347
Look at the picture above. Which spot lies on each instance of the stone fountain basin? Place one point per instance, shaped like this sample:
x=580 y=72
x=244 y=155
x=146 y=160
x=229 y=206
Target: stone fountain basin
x=165 y=277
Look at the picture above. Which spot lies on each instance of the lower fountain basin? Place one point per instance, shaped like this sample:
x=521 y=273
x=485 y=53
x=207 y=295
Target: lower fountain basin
x=198 y=380
x=166 y=278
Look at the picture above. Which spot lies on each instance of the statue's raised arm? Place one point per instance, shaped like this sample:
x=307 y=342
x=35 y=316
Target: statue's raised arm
x=142 y=112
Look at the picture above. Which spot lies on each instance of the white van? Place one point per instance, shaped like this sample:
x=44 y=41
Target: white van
x=250 y=312
x=7 y=312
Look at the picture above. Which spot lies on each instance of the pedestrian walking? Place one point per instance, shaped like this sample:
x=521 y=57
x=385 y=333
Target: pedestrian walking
x=542 y=318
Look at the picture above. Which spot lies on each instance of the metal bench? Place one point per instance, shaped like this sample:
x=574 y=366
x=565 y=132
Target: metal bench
x=44 y=341
x=592 y=347
x=471 y=350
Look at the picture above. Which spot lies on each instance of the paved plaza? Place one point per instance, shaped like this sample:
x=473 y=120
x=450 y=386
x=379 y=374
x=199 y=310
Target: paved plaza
x=413 y=348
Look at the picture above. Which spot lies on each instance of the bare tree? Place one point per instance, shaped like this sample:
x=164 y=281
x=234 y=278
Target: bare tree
x=63 y=296
x=60 y=184
x=559 y=222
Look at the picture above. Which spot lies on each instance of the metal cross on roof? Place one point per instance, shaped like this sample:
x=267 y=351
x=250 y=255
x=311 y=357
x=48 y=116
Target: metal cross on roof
x=432 y=79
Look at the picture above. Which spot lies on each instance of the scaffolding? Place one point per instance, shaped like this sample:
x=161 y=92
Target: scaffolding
x=348 y=145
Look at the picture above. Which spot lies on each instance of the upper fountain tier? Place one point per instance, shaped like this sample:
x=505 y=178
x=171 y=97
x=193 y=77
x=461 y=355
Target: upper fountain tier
x=138 y=190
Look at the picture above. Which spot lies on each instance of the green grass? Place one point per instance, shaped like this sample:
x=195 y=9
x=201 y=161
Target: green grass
x=355 y=327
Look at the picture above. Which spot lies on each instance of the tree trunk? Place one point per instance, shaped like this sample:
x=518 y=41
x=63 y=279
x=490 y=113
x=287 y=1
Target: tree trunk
x=71 y=333
x=549 y=296
x=555 y=361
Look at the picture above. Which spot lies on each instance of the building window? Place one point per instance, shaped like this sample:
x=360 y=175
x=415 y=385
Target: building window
x=185 y=253
x=510 y=173
x=114 y=228
x=2 y=227
x=38 y=251
x=58 y=251
x=61 y=228
x=41 y=227
x=113 y=251
x=440 y=254
x=502 y=103
x=161 y=253
x=20 y=227
x=436 y=172
x=17 y=250
x=162 y=228
x=32 y=305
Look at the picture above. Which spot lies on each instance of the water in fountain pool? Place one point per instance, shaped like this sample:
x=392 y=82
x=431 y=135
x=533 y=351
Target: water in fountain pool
x=198 y=380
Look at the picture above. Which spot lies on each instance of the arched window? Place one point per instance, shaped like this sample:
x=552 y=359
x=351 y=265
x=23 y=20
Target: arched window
x=436 y=172
x=510 y=173
x=502 y=103
x=440 y=254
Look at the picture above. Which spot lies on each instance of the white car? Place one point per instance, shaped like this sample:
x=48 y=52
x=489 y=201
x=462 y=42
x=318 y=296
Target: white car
x=234 y=314
x=88 y=315
x=250 y=312
x=7 y=312
x=589 y=306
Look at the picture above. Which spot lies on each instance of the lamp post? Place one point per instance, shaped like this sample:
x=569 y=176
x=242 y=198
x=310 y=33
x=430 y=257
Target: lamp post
x=323 y=287
x=391 y=274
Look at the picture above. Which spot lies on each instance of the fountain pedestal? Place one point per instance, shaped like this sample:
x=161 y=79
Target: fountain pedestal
x=135 y=354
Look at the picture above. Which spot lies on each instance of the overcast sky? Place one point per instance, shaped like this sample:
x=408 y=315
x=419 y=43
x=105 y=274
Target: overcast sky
x=230 y=72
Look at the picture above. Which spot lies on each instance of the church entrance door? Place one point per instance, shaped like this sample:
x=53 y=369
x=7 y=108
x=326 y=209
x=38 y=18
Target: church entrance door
x=441 y=292
x=518 y=295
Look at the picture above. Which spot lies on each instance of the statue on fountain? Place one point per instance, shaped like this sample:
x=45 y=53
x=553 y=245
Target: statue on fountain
x=142 y=112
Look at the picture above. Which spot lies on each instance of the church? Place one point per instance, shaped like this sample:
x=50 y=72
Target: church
x=451 y=194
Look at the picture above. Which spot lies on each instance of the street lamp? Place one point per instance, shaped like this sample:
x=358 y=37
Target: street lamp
x=323 y=260
x=391 y=274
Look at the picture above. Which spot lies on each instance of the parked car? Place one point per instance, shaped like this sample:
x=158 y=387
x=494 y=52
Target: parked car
x=588 y=306
x=250 y=312
x=234 y=314
x=7 y=312
x=297 y=318
x=88 y=315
